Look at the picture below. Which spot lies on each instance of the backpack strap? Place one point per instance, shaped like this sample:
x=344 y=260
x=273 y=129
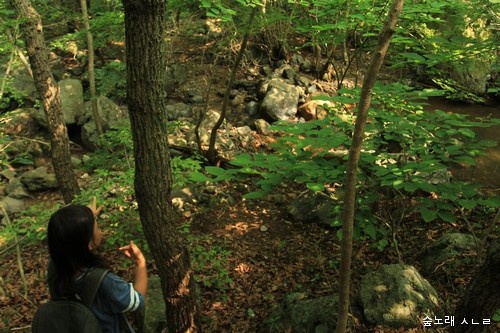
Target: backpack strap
x=91 y=285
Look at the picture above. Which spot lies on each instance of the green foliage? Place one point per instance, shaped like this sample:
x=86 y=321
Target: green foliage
x=449 y=42
x=111 y=80
x=496 y=315
x=30 y=224
x=208 y=260
x=12 y=156
x=109 y=28
x=314 y=154
x=115 y=152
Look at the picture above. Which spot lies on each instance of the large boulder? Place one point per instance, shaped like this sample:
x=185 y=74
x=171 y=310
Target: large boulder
x=281 y=100
x=71 y=100
x=398 y=296
x=39 y=179
x=111 y=115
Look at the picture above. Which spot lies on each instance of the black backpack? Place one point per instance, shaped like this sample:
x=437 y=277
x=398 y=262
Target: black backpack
x=71 y=316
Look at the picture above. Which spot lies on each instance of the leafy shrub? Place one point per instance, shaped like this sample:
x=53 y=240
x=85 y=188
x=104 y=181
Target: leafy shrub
x=314 y=155
x=208 y=260
x=111 y=80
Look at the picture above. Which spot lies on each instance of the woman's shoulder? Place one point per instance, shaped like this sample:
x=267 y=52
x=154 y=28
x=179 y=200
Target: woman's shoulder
x=119 y=294
x=112 y=283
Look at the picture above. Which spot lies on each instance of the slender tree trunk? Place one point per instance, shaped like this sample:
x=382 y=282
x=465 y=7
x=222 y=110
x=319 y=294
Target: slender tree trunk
x=49 y=91
x=354 y=153
x=90 y=57
x=212 y=154
x=145 y=23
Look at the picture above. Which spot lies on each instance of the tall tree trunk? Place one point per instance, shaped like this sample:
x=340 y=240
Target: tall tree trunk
x=90 y=57
x=482 y=297
x=49 y=91
x=145 y=24
x=352 y=166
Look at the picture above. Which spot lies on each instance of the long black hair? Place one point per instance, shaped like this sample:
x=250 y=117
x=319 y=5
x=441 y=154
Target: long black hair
x=69 y=233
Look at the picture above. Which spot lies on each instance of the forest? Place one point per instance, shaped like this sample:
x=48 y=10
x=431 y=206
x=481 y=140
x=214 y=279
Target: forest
x=285 y=165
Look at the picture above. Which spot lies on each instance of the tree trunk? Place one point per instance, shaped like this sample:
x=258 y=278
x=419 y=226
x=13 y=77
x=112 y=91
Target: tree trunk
x=352 y=166
x=482 y=297
x=49 y=91
x=90 y=54
x=145 y=23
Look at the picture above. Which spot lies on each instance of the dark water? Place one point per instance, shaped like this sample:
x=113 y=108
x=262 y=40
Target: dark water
x=487 y=170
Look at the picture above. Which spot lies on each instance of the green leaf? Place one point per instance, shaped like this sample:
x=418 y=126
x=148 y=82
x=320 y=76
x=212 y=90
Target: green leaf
x=446 y=215
x=199 y=177
x=427 y=214
x=490 y=202
x=316 y=187
x=413 y=56
x=468 y=204
x=467 y=132
x=254 y=195
x=216 y=171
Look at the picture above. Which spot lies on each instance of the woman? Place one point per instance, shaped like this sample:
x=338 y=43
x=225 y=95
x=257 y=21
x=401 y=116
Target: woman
x=73 y=235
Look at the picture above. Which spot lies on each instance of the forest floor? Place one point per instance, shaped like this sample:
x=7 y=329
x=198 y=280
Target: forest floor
x=268 y=257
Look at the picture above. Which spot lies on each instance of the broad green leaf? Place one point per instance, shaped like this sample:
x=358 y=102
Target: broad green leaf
x=469 y=204
x=446 y=215
x=199 y=177
x=254 y=195
x=490 y=202
x=216 y=171
x=427 y=214
x=316 y=187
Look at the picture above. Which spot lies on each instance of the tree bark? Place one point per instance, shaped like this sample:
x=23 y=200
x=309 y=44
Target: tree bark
x=90 y=58
x=49 y=92
x=145 y=23
x=352 y=166
x=482 y=296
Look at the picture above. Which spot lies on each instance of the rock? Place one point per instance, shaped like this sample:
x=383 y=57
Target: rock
x=262 y=127
x=280 y=101
x=177 y=111
x=23 y=84
x=16 y=190
x=71 y=100
x=252 y=109
x=154 y=315
x=21 y=122
x=447 y=251
x=112 y=116
x=39 y=179
x=12 y=205
x=313 y=207
x=398 y=296
x=298 y=314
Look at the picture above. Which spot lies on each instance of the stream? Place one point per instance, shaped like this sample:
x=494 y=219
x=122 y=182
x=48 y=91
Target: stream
x=487 y=170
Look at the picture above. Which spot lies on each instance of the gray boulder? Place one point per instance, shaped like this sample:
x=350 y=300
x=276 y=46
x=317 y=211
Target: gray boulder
x=298 y=314
x=39 y=179
x=280 y=101
x=12 y=205
x=398 y=296
x=111 y=116
x=71 y=100
x=314 y=207
x=447 y=251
